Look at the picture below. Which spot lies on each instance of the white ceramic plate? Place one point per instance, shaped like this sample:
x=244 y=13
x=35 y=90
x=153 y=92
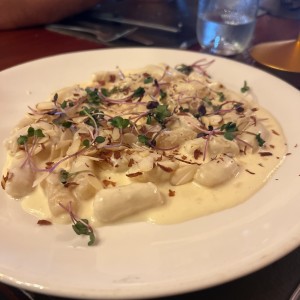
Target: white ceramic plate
x=144 y=260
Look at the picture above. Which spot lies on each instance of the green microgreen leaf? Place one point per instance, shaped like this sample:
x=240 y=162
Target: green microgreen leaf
x=138 y=93
x=229 y=135
x=149 y=119
x=66 y=124
x=143 y=139
x=86 y=143
x=22 y=139
x=63 y=105
x=260 y=140
x=108 y=93
x=163 y=95
x=148 y=80
x=105 y=92
x=94 y=115
x=207 y=101
x=38 y=133
x=230 y=129
x=119 y=122
x=55 y=98
x=82 y=227
x=30 y=131
x=221 y=96
x=93 y=96
x=187 y=70
x=160 y=113
x=245 y=87
x=99 y=139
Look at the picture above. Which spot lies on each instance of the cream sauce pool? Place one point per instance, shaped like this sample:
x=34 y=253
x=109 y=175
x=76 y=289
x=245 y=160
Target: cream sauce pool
x=159 y=104
x=191 y=200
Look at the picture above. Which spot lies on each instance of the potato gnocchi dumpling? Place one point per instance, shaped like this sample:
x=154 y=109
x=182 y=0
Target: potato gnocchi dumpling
x=128 y=141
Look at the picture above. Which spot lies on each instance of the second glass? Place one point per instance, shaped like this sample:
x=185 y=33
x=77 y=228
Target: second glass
x=226 y=27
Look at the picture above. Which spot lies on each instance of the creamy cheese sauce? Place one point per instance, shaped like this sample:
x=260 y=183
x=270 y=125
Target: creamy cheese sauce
x=190 y=200
x=180 y=202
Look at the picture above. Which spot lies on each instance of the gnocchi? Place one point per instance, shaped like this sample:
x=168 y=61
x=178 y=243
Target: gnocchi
x=139 y=141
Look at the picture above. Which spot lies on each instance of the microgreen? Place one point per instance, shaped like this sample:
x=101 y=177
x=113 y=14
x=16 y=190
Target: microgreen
x=93 y=96
x=108 y=93
x=149 y=79
x=207 y=100
x=82 y=227
x=187 y=70
x=245 y=87
x=86 y=143
x=119 y=122
x=163 y=95
x=138 y=93
x=67 y=103
x=94 y=114
x=66 y=124
x=230 y=130
x=99 y=139
x=260 y=140
x=31 y=132
x=63 y=105
x=38 y=133
x=160 y=113
x=221 y=96
x=149 y=119
x=22 y=139
x=143 y=139
x=55 y=98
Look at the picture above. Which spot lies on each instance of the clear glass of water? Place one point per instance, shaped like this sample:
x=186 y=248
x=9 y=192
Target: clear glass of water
x=225 y=27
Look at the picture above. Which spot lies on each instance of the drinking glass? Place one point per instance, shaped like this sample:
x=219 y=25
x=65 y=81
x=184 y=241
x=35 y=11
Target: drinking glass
x=226 y=27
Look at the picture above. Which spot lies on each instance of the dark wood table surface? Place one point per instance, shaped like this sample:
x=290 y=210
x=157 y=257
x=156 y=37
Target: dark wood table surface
x=274 y=282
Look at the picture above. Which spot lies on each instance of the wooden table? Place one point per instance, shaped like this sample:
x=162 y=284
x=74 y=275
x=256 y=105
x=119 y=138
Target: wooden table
x=275 y=282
